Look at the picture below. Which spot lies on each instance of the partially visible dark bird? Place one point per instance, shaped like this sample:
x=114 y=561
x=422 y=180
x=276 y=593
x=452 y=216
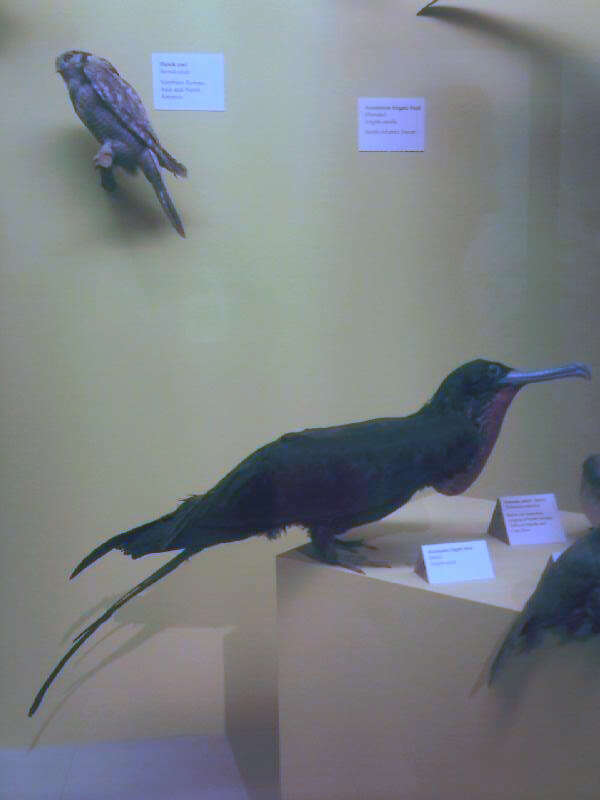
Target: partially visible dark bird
x=590 y=488
x=329 y=480
x=425 y=7
x=566 y=600
x=112 y=110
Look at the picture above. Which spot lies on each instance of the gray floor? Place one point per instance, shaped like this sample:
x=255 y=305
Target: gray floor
x=178 y=768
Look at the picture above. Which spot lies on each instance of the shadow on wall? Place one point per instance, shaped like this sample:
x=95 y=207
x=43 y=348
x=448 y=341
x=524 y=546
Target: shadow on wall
x=559 y=71
x=249 y=645
x=250 y=657
x=495 y=27
x=560 y=210
x=543 y=182
x=129 y=213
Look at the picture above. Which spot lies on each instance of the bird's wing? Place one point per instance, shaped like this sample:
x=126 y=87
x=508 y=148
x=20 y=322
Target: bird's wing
x=122 y=99
x=343 y=476
x=559 y=599
x=342 y=473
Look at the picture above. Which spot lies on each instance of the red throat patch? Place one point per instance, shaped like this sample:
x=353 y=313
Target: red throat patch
x=491 y=422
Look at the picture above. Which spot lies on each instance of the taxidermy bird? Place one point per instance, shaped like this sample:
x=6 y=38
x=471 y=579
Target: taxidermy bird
x=425 y=7
x=566 y=600
x=329 y=480
x=113 y=112
x=590 y=488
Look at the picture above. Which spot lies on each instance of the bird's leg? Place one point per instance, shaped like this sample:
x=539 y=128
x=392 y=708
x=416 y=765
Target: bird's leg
x=104 y=156
x=107 y=179
x=103 y=161
x=326 y=547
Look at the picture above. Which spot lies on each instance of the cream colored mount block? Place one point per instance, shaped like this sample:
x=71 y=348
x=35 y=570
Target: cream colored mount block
x=382 y=690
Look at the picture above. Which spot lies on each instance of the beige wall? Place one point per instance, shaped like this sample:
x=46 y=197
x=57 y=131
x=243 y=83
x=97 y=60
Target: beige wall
x=317 y=285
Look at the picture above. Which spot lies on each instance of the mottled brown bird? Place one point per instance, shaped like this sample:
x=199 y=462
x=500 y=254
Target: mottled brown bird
x=113 y=112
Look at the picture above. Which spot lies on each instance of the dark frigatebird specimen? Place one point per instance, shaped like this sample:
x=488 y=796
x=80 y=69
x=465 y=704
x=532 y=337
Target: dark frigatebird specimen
x=566 y=600
x=329 y=480
x=425 y=7
x=589 y=492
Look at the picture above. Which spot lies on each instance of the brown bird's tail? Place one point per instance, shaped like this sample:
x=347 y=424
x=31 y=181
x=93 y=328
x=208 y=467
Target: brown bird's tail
x=150 y=165
x=167 y=161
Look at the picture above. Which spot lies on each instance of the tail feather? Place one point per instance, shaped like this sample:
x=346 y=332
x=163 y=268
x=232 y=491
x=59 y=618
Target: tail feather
x=87 y=632
x=151 y=168
x=168 y=162
x=158 y=536
x=114 y=542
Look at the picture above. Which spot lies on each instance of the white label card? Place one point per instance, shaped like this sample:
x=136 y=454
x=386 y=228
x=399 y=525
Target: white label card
x=527 y=519
x=188 y=81
x=391 y=124
x=457 y=561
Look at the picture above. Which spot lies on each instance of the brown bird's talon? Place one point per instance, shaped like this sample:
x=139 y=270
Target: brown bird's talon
x=104 y=157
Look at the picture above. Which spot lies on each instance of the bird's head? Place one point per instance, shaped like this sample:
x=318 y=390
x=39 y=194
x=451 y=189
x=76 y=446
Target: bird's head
x=481 y=391
x=70 y=62
x=482 y=388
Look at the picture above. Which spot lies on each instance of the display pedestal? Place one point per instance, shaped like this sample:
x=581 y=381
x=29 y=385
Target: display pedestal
x=382 y=688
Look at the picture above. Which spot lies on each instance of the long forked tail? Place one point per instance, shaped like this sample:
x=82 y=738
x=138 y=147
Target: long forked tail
x=158 y=536
x=112 y=544
x=150 y=166
x=168 y=162
x=87 y=632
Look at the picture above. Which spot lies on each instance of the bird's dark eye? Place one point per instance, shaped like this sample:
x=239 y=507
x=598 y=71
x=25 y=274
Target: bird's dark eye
x=494 y=370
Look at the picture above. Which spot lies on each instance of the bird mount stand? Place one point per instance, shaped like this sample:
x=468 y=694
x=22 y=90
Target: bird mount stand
x=382 y=689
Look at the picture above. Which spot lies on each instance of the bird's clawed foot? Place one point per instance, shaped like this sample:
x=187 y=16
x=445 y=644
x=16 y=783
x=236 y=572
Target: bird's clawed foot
x=343 y=553
x=354 y=544
x=356 y=562
x=104 y=156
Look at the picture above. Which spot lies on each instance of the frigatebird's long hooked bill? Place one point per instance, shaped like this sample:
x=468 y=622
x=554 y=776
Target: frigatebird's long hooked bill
x=329 y=480
x=520 y=378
